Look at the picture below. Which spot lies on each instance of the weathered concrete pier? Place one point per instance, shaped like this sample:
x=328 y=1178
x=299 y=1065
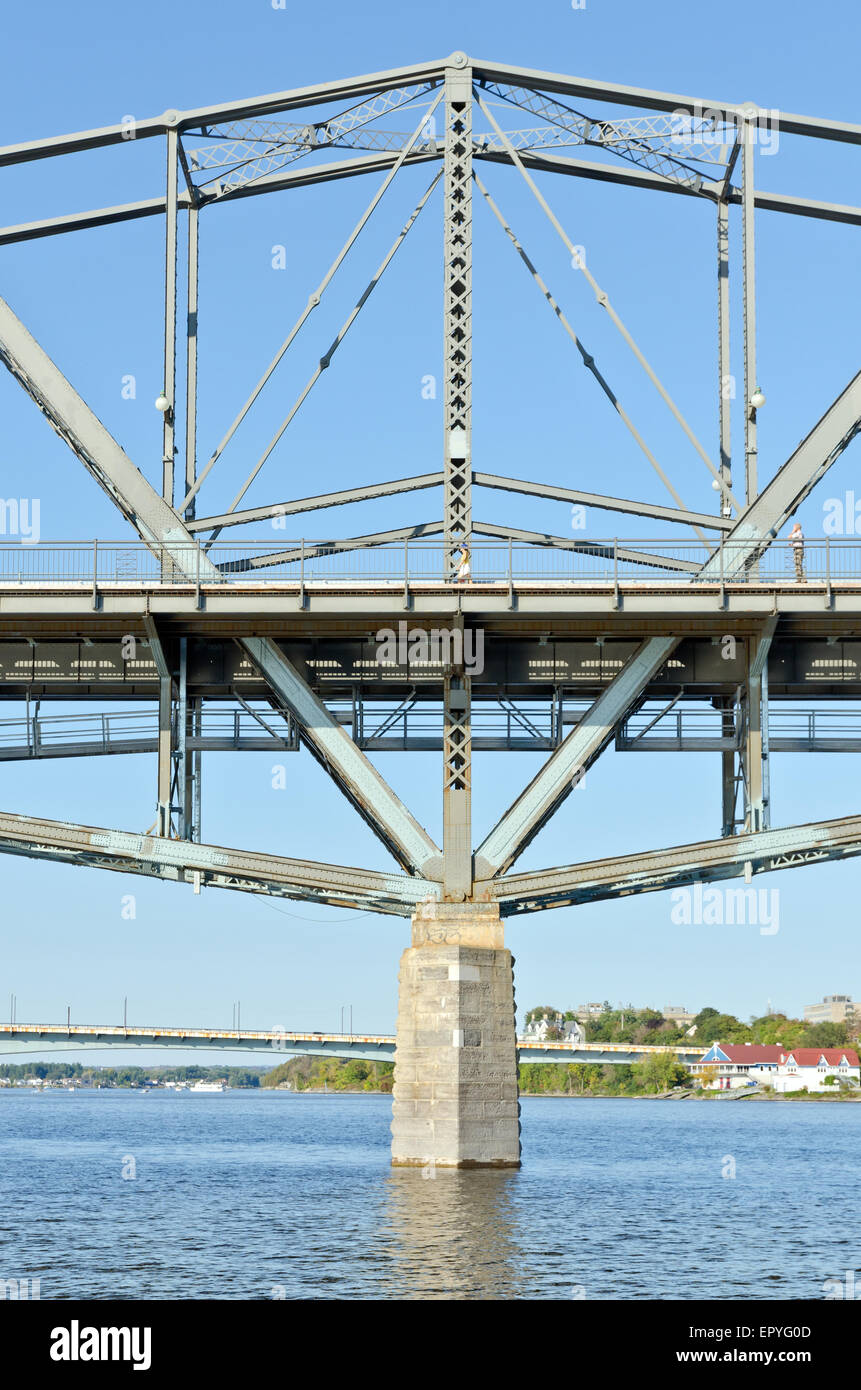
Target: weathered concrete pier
x=455 y=1092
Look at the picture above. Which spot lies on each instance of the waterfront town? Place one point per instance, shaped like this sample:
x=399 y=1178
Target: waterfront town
x=673 y=1052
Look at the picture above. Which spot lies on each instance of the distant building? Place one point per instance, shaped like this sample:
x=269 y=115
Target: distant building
x=732 y=1065
x=739 y=1064
x=806 y=1068
x=538 y=1029
x=835 y=1008
x=675 y=1013
x=587 y=1013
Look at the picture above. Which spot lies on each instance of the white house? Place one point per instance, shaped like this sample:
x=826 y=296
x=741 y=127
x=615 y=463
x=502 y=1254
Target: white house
x=807 y=1068
x=802 y=1068
x=740 y=1064
x=537 y=1030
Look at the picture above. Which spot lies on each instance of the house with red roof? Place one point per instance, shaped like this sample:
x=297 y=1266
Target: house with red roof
x=739 y=1064
x=732 y=1065
x=808 y=1068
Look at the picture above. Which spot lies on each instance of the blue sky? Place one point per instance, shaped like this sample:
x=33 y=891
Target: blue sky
x=94 y=300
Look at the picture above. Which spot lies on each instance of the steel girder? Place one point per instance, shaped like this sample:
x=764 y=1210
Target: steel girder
x=457 y=312
x=761 y=520
x=374 y=163
x=563 y=769
x=204 y=116
x=352 y=89
x=753 y=530
x=619 y=94
x=610 y=504
x=653 y=870
x=312 y=504
x=346 y=764
x=152 y=517
x=202 y=865
x=160 y=525
x=155 y=520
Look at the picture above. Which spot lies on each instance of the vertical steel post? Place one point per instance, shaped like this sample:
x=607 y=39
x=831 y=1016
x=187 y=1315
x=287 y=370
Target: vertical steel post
x=165 y=750
x=197 y=770
x=183 y=764
x=766 y=771
x=753 y=745
x=748 y=136
x=457 y=775
x=724 y=377
x=457 y=308
x=728 y=784
x=191 y=362
x=169 y=388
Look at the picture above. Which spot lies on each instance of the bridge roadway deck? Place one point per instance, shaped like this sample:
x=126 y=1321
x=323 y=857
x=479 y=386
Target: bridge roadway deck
x=49 y=1037
x=213 y=604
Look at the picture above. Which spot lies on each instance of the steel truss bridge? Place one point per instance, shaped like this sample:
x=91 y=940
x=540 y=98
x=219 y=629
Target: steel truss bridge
x=48 y=1037
x=712 y=642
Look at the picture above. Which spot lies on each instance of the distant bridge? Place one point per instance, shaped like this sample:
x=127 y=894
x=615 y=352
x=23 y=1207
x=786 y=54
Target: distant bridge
x=53 y=1037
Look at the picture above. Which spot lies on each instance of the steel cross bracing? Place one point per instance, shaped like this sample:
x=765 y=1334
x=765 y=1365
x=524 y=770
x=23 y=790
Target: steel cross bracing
x=249 y=148
x=457 y=311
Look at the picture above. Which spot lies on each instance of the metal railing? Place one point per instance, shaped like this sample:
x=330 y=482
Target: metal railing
x=583 y=561
x=36 y=735
x=386 y=727
x=687 y=729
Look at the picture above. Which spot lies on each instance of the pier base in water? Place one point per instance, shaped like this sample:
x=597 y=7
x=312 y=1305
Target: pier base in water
x=455 y=1087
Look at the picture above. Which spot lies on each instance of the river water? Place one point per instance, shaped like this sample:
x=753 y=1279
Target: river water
x=260 y=1195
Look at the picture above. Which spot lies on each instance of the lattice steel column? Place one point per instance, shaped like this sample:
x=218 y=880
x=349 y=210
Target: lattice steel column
x=748 y=137
x=191 y=361
x=724 y=378
x=169 y=426
x=457 y=785
x=458 y=307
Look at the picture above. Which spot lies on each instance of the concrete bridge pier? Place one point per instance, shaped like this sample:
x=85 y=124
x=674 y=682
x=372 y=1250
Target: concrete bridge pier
x=455 y=1087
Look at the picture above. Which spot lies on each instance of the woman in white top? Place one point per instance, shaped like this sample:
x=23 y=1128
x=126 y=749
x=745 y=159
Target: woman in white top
x=464 y=574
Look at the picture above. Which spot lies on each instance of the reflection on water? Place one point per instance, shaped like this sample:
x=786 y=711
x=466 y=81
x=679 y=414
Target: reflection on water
x=452 y=1234
x=265 y=1195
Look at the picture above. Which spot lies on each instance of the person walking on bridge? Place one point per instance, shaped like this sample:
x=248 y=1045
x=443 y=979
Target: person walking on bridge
x=796 y=540
x=464 y=571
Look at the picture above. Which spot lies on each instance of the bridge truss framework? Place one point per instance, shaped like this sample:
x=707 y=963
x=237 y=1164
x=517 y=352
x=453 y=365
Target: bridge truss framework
x=576 y=656
x=243 y=149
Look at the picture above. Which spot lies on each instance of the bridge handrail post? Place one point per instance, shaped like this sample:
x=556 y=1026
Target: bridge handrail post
x=95 y=600
x=827 y=571
x=616 y=599
x=406 y=600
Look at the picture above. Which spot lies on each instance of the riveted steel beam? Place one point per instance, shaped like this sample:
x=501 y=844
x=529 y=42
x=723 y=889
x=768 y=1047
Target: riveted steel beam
x=761 y=520
x=619 y=94
x=457 y=310
x=564 y=768
x=211 y=865
x=203 y=116
x=610 y=504
x=651 y=871
x=313 y=504
x=348 y=766
x=154 y=518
